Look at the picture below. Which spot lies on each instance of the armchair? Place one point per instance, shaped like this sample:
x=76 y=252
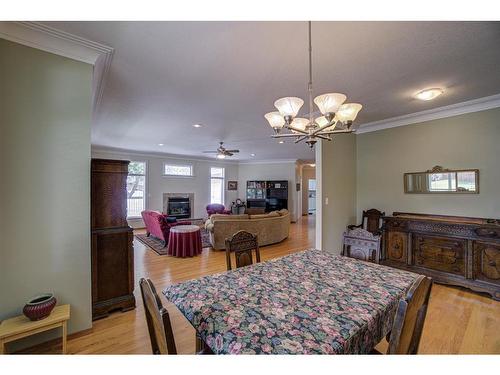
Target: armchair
x=216 y=208
x=157 y=225
x=363 y=241
x=373 y=218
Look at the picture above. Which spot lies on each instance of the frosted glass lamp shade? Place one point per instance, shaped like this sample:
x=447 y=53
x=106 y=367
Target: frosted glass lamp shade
x=322 y=121
x=299 y=123
x=289 y=106
x=275 y=119
x=329 y=103
x=348 y=112
x=221 y=156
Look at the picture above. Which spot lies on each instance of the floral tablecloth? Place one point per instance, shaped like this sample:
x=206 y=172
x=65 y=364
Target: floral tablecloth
x=304 y=303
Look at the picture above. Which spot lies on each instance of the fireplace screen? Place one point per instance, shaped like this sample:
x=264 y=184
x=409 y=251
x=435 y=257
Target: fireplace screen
x=179 y=208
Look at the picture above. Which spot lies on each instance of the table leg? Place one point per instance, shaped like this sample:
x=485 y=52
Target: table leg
x=64 y=337
x=2 y=347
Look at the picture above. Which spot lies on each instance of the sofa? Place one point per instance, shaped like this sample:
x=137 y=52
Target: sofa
x=216 y=208
x=158 y=225
x=270 y=228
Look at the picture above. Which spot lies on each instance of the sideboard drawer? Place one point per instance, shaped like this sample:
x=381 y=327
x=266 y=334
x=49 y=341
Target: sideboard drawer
x=439 y=253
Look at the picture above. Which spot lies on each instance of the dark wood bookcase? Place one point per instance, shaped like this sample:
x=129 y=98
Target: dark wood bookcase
x=111 y=250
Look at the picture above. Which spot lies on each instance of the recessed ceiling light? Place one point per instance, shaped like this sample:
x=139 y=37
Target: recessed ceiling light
x=281 y=142
x=252 y=155
x=429 y=94
x=197 y=126
x=161 y=144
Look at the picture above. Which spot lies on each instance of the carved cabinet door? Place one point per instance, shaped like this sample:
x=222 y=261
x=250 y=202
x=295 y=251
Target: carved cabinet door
x=397 y=246
x=487 y=261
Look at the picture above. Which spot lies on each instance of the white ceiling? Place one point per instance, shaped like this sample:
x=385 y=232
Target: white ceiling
x=167 y=76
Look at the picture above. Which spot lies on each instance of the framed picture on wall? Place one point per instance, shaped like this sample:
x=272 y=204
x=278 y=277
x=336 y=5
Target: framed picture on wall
x=232 y=185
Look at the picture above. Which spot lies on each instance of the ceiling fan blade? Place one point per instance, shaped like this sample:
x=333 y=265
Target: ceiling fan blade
x=233 y=151
x=227 y=153
x=210 y=152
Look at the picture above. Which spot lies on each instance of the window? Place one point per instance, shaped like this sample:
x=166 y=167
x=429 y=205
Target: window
x=217 y=185
x=136 y=188
x=178 y=170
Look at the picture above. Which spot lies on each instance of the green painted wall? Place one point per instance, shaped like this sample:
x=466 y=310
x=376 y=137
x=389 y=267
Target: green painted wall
x=45 y=119
x=466 y=141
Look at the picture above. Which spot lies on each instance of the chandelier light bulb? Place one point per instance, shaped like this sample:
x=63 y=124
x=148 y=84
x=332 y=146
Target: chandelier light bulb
x=299 y=123
x=348 y=112
x=329 y=103
x=322 y=121
x=276 y=120
x=289 y=106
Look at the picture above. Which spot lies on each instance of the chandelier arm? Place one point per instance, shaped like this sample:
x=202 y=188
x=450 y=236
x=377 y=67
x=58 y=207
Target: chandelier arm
x=320 y=129
x=323 y=136
x=343 y=131
x=301 y=138
x=297 y=130
x=285 y=135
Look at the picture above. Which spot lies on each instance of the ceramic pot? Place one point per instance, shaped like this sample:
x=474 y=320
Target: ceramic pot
x=40 y=306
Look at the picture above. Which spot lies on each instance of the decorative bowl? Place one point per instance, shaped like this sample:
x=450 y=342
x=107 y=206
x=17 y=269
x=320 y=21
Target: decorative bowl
x=40 y=306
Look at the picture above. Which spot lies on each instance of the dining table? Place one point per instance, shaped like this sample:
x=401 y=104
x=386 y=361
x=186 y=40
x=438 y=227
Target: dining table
x=309 y=302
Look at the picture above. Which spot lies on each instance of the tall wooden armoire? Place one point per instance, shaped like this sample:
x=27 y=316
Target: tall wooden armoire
x=112 y=249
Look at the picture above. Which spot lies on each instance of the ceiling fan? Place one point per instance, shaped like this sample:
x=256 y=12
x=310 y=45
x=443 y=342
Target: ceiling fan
x=222 y=152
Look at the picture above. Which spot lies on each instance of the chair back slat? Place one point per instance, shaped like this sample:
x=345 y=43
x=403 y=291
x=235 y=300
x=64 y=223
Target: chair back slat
x=158 y=320
x=242 y=244
x=409 y=319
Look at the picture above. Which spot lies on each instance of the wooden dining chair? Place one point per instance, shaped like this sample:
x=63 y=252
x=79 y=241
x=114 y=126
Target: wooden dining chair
x=242 y=243
x=409 y=319
x=159 y=325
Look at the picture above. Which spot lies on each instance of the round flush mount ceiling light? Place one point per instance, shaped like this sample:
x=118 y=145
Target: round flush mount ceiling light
x=196 y=126
x=429 y=94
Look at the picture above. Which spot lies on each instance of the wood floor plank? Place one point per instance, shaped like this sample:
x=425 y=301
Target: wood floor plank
x=458 y=321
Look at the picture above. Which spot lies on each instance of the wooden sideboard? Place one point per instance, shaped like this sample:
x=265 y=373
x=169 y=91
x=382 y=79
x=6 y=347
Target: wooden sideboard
x=452 y=250
x=112 y=251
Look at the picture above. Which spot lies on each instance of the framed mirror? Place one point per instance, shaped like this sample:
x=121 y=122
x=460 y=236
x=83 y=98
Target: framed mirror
x=439 y=180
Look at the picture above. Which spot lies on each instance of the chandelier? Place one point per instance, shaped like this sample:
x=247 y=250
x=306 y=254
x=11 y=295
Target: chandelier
x=337 y=116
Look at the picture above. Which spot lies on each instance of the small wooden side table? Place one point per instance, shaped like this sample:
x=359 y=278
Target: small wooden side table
x=20 y=326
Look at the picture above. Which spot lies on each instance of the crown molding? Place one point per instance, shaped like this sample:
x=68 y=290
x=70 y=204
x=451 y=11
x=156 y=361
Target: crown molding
x=155 y=155
x=268 y=161
x=160 y=155
x=46 y=38
x=476 y=105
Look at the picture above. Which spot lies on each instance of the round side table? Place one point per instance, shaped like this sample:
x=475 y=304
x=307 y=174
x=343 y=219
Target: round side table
x=184 y=241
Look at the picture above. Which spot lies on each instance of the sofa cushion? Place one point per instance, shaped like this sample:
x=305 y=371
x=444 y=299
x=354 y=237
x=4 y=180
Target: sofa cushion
x=283 y=212
x=262 y=216
x=217 y=217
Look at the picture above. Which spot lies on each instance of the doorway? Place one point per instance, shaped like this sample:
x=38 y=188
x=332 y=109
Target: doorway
x=311 y=196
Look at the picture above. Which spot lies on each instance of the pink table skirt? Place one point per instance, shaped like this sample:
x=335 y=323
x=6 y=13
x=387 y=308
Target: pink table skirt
x=184 y=241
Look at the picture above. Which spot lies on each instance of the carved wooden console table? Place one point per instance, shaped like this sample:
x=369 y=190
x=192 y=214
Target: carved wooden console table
x=451 y=249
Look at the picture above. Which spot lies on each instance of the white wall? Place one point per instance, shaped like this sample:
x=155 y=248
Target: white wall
x=157 y=184
x=270 y=171
x=45 y=123
x=467 y=141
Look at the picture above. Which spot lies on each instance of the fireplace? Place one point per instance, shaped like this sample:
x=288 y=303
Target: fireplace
x=179 y=207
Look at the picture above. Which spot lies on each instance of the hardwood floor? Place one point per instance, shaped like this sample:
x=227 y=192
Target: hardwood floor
x=458 y=321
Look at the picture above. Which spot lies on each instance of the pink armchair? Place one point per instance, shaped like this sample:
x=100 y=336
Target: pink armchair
x=216 y=208
x=157 y=225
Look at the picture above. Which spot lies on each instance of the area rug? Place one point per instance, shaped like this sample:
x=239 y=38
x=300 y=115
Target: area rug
x=159 y=246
